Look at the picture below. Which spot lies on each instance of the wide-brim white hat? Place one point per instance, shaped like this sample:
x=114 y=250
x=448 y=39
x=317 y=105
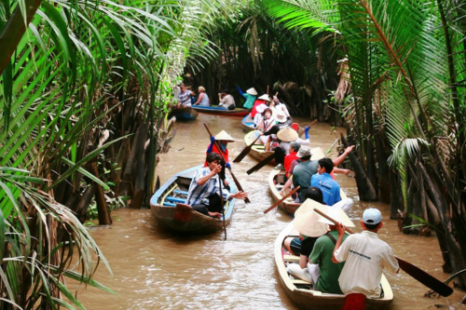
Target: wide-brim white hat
x=281 y=117
x=224 y=136
x=252 y=91
x=260 y=108
x=307 y=221
x=264 y=97
x=287 y=135
x=338 y=215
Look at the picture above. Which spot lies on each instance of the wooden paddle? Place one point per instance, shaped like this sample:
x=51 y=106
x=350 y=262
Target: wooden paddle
x=283 y=199
x=312 y=123
x=238 y=185
x=221 y=203
x=245 y=151
x=262 y=163
x=418 y=274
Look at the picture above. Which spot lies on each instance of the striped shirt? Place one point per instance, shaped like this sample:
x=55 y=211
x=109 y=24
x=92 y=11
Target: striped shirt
x=185 y=98
x=199 y=194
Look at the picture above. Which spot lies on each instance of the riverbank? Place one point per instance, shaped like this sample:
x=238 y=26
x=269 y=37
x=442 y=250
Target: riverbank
x=157 y=270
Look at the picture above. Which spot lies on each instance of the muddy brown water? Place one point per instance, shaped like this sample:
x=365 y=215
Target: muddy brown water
x=154 y=269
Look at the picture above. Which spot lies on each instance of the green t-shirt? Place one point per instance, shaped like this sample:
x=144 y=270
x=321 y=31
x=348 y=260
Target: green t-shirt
x=250 y=99
x=329 y=271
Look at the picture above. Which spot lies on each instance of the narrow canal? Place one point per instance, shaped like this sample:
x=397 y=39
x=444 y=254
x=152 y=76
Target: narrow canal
x=153 y=269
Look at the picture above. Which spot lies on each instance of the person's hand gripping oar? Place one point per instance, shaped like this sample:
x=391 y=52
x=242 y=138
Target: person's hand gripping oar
x=238 y=185
x=418 y=274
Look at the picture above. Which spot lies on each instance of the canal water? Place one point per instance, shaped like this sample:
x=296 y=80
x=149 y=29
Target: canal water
x=154 y=269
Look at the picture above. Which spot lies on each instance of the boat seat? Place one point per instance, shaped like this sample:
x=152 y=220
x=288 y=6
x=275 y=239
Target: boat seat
x=169 y=204
x=175 y=199
x=299 y=281
x=178 y=191
x=279 y=186
x=291 y=258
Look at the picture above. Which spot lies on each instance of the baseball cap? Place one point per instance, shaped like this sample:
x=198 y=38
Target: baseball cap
x=372 y=216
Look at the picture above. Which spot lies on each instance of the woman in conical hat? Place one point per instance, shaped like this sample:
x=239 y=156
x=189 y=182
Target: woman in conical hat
x=250 y=96
x=223 y=138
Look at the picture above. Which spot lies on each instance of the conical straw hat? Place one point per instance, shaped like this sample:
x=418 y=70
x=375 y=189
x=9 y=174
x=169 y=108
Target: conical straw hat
x=287 y=135
x=338 y=215
x=252 y=91
x=264 y=97
x=224 y=136
x=307 y=221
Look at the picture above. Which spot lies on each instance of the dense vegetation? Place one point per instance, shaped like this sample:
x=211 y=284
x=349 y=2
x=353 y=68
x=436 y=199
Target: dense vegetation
x=400 y=93
x=84 y=91
x=85 y=86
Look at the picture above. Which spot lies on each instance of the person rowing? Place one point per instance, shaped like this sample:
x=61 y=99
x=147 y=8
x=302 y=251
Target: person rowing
x=223 y=138
x=204 y=190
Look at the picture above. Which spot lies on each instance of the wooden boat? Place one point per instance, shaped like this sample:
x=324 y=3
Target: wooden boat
x=221 y=111
x=302 y=293
x=183 y=114
x=258 y=149
x=247 y=123
x=276 y=182
x=184 y=219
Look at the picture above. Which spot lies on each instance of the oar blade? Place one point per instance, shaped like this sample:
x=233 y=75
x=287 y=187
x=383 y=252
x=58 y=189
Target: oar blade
x=243 y=154
x=425 y=278
x=261 y=164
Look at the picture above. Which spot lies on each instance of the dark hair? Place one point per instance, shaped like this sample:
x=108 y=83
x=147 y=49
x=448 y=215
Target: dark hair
x=295 y=146
x=315 y=194
x=212 y=156
x=326 y=163
x=372 y=226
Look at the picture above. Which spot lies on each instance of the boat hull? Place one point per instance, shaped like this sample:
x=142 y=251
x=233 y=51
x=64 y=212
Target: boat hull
x=257 y=150
x=221 y=111
x=277 y=179
x=247 y=123
x=183 y=114
x=169 y=215
x=307 y=298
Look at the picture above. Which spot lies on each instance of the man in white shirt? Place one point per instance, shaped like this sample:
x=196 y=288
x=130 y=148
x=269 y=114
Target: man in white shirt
x=366 y=256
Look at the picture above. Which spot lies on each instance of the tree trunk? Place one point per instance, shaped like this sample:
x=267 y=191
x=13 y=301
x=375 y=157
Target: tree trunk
x=102 y=207
x=138 y=193
x=365 y=189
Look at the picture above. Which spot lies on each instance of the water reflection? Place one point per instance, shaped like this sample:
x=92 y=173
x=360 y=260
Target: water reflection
x=154 y=269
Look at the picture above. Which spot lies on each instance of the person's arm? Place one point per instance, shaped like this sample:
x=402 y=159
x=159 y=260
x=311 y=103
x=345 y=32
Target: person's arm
x=201 y=181
x=337 y=161
x=201 y=95
x=287 y=185
x=303 y=259
x=341 y=231
x=239 y=195
x=240 y=91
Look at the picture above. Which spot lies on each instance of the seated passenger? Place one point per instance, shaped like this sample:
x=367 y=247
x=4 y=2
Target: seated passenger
x=366 y=256
x=250 y=96
x=293 y=245
x=203 y=99
x=266 y=124
x=204 y=191
x=321 y=270
x=226 y=100
x=323 y=180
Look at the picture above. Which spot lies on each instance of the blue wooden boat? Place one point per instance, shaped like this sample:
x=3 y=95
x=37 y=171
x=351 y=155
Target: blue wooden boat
x=248 y=123
x=183 y=114
x=221 y=111
x=167 y=206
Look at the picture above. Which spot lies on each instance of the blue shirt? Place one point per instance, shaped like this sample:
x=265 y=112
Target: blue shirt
x=199 y=194
x=329 y=187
